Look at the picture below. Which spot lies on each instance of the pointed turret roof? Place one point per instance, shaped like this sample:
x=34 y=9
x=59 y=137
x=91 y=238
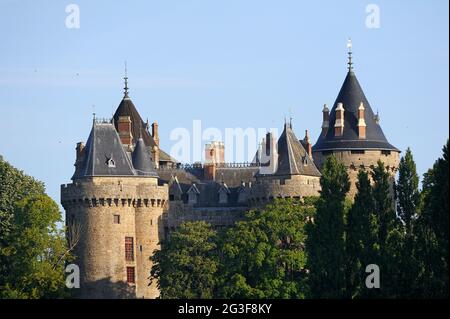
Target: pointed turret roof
x=138 y=127
x=141 y=157
x=351 y=95
x=292 y=156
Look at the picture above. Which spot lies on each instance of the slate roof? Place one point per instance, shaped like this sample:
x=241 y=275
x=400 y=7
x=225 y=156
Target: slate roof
x=351 y=95
x=141 y=158
x=138 y=126
x=292 y=156
x=104 y=154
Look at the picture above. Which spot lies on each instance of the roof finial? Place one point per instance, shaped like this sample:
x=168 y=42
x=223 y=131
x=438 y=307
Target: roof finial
x=349 y=47
x=126 y=81
x=93 y=113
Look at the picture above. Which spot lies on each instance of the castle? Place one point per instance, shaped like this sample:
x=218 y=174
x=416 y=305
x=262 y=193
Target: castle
x=127 y=194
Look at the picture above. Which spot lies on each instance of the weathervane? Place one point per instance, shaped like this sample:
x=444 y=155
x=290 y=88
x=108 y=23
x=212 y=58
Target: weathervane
x=349 y=47
x=126 y=81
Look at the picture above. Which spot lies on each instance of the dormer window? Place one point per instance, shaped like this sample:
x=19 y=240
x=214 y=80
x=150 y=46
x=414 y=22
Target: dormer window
x=110 y=162
x=193 y=193
x=223 y=193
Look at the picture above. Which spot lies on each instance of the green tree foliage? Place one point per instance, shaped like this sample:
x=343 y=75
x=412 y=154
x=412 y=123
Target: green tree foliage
x=361 y=238
x=32 y=250
x=264 y=256
x=186 y=266
x=431 y=229
x=326 y=246
x=35 y=250
x=407 y=191
x=407 y=200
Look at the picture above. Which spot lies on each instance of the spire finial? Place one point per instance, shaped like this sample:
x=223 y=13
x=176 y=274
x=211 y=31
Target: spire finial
x=126 y=81
x=349 y=47
x=93 y=113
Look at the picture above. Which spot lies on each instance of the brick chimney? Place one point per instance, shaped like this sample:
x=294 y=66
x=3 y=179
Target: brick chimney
x=361 y=122
x=124 y=130
x=155 y=133
x=339 y=124
x=214 y=155
x=307 y=143
x=326 y=119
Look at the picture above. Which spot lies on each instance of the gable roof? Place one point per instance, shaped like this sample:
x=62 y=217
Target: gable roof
x=351 y=95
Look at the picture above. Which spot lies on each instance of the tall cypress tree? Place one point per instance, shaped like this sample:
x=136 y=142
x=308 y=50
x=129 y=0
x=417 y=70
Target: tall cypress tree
x=360 y=238
x=407 y=198
x=407 y=191
x=325 y=243
x=389 y=232
x=432 y=231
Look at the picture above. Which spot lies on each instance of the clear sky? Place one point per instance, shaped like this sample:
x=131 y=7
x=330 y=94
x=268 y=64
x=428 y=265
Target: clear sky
x=230 y=64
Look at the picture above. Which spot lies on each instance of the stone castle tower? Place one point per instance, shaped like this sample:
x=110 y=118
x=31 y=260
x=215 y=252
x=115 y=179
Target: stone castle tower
x=117 y=200
x=351 y=132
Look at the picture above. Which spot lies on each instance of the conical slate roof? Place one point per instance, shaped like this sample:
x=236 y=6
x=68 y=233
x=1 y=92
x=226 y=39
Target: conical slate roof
x=351 y=95
x=141 y=158
x=292 y=156
x=138 y=126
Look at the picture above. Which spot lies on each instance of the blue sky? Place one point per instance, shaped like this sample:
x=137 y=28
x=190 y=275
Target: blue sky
x=228 y=63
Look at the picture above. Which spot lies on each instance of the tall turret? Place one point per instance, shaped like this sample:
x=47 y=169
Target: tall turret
x=116 y=200
x=354 y=136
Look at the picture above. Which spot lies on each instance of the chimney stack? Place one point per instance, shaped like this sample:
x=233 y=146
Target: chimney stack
x=361 y=122
x=326 y=119
x=155 y=133
x=214 y=155
x=124 y=130
x=307 y=143
x=339 y=124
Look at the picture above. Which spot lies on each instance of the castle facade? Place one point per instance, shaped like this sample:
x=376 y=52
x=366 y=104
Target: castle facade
x=127 y=194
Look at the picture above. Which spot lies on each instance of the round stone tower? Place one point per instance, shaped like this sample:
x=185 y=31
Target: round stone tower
x=116 y=202
x=352 y=133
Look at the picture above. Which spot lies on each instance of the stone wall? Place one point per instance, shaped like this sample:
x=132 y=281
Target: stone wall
x=93 y=202
x=354 y=162
x=266 y=188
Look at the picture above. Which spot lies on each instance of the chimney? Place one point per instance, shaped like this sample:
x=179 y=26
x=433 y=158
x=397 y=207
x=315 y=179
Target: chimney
x=361 y=122
x=214 y=155
x=269 y=157
x=155 y=133
x=307 y=143
x=155 y=156
x=326 y=119
x=339 y=124
x=79 y=157
x=124 y=130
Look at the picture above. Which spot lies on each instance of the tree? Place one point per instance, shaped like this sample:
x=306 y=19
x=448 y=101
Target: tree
x=14 y=186
x=35 y=247
x=361 y=234
x=432 y=231
x=326 y=246
x=407 y=191
x=407 y=200
x=186 y=265
x=264 y=256
x=390 y=235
